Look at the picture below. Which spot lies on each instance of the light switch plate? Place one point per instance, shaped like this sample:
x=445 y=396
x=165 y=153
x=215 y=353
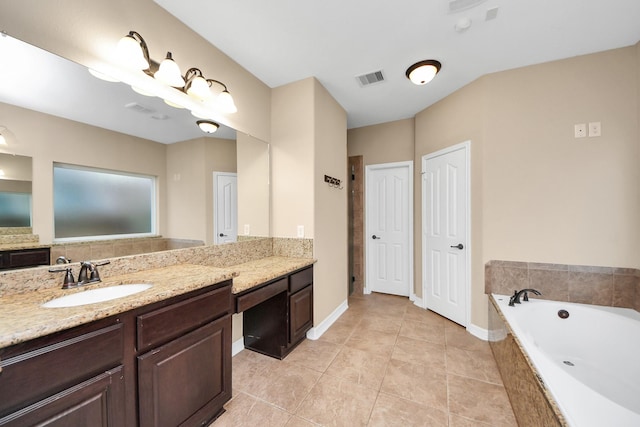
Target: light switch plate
x=595 y=129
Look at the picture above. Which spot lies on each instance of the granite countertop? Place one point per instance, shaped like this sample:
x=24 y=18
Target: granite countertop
x=18 y=246
x=254 y=273
x=22 y=318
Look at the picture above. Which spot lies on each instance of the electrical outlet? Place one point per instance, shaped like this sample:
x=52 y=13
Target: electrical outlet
x=580 y=130
x=301 y=231
x=247 y=229
x=594 y=129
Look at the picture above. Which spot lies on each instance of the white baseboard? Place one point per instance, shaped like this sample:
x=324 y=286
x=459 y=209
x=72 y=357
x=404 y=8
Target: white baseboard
x=478 y=332
x=237 y=346
x=417 y=301
x=317 y=331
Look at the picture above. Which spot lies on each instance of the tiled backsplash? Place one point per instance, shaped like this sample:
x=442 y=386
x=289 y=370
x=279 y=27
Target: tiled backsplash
x=609 y=286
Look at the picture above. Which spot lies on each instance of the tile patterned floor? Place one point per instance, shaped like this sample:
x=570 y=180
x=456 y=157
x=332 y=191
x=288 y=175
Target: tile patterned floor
x=385 y=362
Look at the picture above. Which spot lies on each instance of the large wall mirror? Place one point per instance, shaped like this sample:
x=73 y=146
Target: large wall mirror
x=15 y=191
x=53 y=110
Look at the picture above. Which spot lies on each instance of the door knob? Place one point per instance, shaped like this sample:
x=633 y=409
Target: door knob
x=458 y=246
x=223 y=235
x=374 y=237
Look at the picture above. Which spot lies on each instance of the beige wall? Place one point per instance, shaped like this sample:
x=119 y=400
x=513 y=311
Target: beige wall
x=330 y=245
x=309 y=141
x=87 y=32
x=383 y=143
x=550 y=197
x=50 y=139
x=190 y=167
x=292 y=133
x=253 y=185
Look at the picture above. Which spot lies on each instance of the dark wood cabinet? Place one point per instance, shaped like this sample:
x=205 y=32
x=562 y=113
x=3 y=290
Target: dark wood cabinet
x=165 y=364
x=300 y=314
x=278 y=314
x=187 y=380
x=20 y=258
x=95 y=402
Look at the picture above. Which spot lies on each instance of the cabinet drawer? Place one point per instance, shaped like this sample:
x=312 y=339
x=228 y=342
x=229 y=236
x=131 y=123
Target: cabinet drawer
x=254 y=298
x=159 y=326
x=43 y=370
x=24 y=258
x=300 y=279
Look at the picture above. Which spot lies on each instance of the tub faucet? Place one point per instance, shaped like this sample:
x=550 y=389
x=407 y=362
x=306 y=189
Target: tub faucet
x=524 y=293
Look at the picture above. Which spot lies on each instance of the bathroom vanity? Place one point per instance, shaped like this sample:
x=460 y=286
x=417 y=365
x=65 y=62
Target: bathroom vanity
x=277 y=313
x=162 y=364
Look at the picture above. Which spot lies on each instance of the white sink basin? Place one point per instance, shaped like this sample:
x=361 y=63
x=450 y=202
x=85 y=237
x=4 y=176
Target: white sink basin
x=93 y=296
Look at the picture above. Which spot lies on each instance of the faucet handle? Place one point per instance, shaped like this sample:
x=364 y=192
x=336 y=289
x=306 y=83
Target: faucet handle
x=93 y=269
x=69 y=281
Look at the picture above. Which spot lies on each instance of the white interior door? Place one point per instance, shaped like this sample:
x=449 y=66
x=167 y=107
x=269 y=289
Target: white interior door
x=445 y=210
x=225 y=201
x=389 y=216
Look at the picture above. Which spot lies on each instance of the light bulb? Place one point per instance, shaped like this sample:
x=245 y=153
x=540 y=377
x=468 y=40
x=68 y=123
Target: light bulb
x=225 y=102
x=169 y=72
x=131 y=54
x=199 y=88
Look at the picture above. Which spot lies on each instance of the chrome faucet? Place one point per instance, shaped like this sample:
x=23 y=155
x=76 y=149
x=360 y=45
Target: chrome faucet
x=524 y=293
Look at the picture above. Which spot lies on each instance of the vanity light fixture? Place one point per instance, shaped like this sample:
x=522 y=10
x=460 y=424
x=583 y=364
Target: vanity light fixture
x=134 y=53
x=423 y=72
x=207 y=126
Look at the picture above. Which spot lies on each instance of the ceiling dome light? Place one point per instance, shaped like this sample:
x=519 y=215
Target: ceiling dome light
x=132 y=51
x=423 y=72
x=169 y=72
x=207 y=126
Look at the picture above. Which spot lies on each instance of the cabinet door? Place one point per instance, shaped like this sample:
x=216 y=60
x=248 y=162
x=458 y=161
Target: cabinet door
x=95 y=402
x=300 y=314
x=186 y=381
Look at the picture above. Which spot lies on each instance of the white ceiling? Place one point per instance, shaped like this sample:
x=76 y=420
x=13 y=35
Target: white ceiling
x=282 y=41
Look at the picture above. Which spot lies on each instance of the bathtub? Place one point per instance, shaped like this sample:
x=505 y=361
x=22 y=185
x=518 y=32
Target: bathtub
x=589 y=361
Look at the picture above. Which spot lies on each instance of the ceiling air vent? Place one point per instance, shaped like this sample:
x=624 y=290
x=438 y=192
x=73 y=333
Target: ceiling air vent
x=370 y=78
x=139 y=108
x=455 y=6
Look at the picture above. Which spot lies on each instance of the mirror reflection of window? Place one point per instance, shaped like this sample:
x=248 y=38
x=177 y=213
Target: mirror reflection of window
x=93 y=203
x=15 y=209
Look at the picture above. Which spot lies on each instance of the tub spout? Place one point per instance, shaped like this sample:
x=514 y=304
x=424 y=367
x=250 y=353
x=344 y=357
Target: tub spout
x=524 y=293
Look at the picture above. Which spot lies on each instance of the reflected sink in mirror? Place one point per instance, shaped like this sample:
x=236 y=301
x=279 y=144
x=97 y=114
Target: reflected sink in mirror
x=94 y=296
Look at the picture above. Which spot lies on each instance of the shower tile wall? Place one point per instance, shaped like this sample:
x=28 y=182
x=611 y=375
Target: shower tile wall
x=356 y=224
x=609 y=286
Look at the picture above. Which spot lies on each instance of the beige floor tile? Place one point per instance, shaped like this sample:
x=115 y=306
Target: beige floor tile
x=457 y=336
x=295 y=421
x=458 y=421
x=420 y=352
x=339 y=332
x=316 y=355
x=250 y=370
x=423 y=331
x=338 y=402
x=244 y=410
x=389 y=325
x=417 y=383
x=286 y=385
x=481 y=401
x=372 y=341
x=418 y=314
x=360 y=367
x=391 y=411
x=479 y=365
